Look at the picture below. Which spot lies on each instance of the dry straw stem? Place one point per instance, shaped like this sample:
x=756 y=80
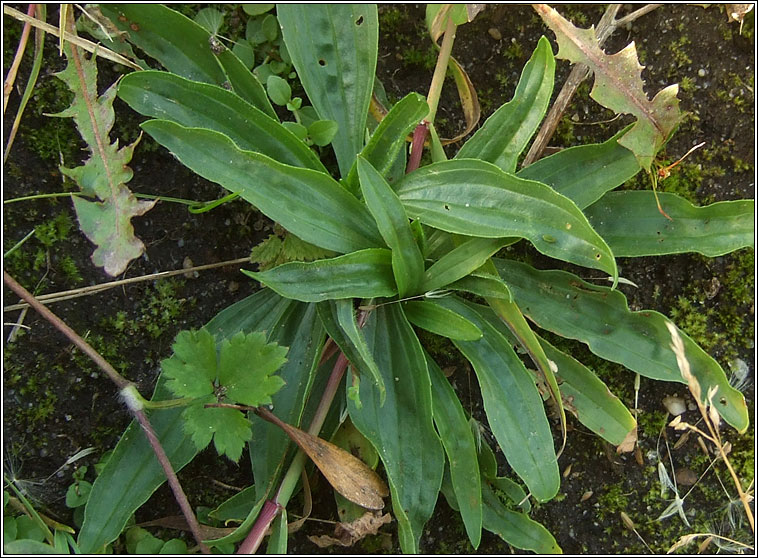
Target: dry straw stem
x=687 y=539
x=93 y=289
x=710 y=417
x=11 y=77
x=89 y=46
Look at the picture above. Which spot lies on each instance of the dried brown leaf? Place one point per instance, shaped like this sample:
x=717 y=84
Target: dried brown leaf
x=347 y=534
x=629 y=442
x=346 y=473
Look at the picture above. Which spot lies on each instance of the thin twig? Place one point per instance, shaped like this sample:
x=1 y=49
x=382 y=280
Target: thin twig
x=93 y=289
x=124 y=386
x=605 y=28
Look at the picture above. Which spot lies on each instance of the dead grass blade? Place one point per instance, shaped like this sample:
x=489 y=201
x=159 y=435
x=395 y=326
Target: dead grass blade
x=89 y=46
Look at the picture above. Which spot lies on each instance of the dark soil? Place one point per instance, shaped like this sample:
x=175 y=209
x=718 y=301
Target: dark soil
x=55 y=402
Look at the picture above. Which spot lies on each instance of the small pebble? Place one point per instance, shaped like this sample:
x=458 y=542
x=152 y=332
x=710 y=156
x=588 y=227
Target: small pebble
x=701 y=72
x=686 y=477
x=494 y=33
x=674 y=405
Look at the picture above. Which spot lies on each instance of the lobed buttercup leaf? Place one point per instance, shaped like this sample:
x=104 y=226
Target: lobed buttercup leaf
x=228 y=428
x=192 y=368
x=238 y=370
x=246 y=365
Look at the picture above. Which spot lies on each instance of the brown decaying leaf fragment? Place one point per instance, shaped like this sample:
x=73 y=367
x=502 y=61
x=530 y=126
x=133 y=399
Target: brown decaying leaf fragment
x=629 y=442
x=737 y=12
x=347 y=534
x=346 y=473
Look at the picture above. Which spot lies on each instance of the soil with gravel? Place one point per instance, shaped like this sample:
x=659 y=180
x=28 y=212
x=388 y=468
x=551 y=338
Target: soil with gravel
x=55 y=403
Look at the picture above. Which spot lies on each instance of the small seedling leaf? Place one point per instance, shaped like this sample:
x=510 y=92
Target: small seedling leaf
x=278 y=89
x=322 y=132
x=257 y=9
x=210 y=19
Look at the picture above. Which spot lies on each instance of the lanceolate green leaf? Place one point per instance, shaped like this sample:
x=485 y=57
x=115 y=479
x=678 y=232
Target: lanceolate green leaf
x=183 y=47
x=516 y=323
x=310 y=204
x=516 y=528
x=582 y=392
x=361 y=274
x=390 y=136
x=585 y=172
x=393 y=225
x=506 y=133
x=598 y=316
x=338 y=317
x=483 y=285
x=587 y=397
x=133 y=473
x=440 y=320
x=632 y=225
x=401 y=430
x=458 y=441
x=200 y=105
x=334 y=48
x=513 y=404
x=460 y=261
x=475 y=198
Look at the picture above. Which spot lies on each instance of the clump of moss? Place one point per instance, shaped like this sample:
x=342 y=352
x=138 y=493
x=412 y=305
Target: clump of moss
x=45 y=254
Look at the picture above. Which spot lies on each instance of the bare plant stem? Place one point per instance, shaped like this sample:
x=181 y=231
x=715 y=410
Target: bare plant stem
x=433 y=97
x=122 y=384
x=438 y=78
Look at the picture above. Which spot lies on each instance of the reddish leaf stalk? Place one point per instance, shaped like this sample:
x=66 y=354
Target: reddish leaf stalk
x=271 y=508
x=123 y=384
x=255 y=537
x=173 y=480
x=417 y=146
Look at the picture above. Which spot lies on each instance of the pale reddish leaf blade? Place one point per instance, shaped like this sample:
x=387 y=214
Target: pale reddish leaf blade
x=619 y=86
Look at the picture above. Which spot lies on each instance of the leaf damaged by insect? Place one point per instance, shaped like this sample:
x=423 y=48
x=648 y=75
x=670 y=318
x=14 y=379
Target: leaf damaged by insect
x=619 y=86
x=106 y=220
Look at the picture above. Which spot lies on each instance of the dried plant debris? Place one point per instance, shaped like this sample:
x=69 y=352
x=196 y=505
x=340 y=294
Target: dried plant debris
x=347 y=534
